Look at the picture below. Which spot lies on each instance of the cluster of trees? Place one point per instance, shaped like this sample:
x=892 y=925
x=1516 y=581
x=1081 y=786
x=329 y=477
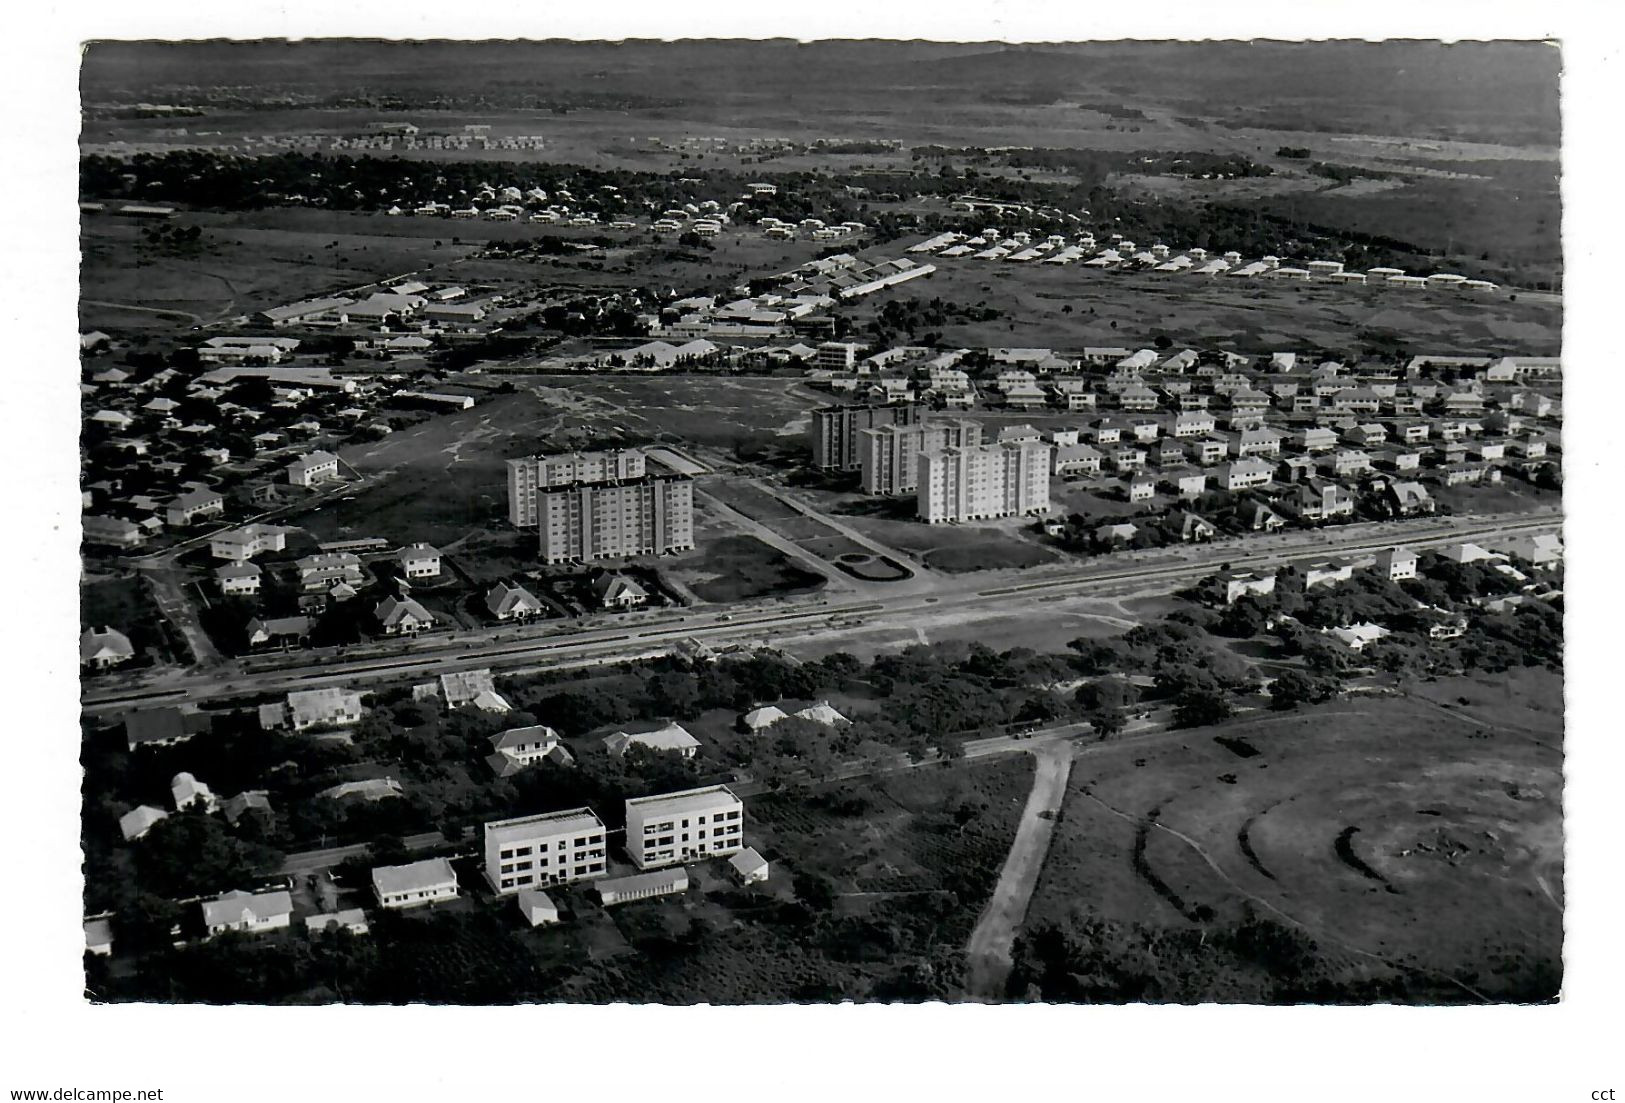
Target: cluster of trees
x=1171 y=662
x=1257 y=958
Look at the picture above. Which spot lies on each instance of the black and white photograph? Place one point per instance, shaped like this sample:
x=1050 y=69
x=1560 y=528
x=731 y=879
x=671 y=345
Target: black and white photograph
x=902 y=524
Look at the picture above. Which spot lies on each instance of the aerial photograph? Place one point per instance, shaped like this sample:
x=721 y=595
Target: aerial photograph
x=759 y=522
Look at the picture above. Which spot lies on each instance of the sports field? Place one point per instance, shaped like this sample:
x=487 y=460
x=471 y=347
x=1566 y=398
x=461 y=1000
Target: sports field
x=1408 y=839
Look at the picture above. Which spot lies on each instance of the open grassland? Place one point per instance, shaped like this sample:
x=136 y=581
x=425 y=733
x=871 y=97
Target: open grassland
x=740 y=568
x=1246 y=316
x=1406 y=842
x=950 y=548
x=233 y=269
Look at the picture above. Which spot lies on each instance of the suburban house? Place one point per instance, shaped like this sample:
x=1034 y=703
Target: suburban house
x=235 y=808
x=415 y=883
x=1241 y=583
x=1358 y=636
x=369 y=789
x=99 y=936
x=1543 y=549
x=759 y=719
x=353 y=920
x=1409 y=498
x=192 y=505
x=1140 y=488
x=517 y=748
x=1119 y=533
x=248 y=911
x=1259 y=517
x=1208 y=450
x=241 y=544
x=513 y=602
x=1244 y=473
x=671 y=736
x=473 y=687
x=238 y=579
x=1327 y=573
x=419 y=561
x=1187 y=482
x=277 y=631
x=104 y=648
x=552 y=848
x=1194 y=529
x=315 y=468
x=1319 y=500
x=694 y=824
x=403 y=616
x=160 y=727
x=115 y=531
x=822 y=713
x=138 y=821
x=187 y=790
x=331 y=707
x=1396 y=564
x=1077 y=459
x=1349 y=461
x=641 y=886
x=616 y=591
x=325 y=569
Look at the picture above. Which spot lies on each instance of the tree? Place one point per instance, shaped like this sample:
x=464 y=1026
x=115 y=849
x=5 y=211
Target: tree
x=1200 y=707
x=1293 y=688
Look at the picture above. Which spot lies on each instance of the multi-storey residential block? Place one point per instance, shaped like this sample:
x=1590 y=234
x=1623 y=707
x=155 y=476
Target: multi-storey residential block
x=529 y=475
x=984 y=481
x=889 y=455
x=694 y=824
x=836 y=429
x=549 y=849
x=653 y=515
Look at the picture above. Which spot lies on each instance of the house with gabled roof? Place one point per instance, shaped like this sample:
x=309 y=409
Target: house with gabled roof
x=193 y=505
x=419 y=561
x=414 y=884
x=104 y=648
x=613 y=590
x=670 y=736
x=138 y=821
x=516 y=748
x=403 y=616
x=252 y=912
x=510 y=601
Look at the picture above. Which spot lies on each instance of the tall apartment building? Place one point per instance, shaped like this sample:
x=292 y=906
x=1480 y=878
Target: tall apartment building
x=836 y=429
x=694 y=824
x=532 y=473
x=983 y=481
x=889 y=455
x=553 y=848
x=653 y=515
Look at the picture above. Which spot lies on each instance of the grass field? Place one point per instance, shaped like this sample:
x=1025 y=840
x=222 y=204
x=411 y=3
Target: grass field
x=1383 y=828
x=740 y=568
x=1245 y=316
x=950 y=548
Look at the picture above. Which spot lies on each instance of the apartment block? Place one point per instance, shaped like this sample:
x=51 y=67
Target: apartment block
x=688 y=826
x=978 y=483
x=532 y=473
x=553 y=848
x=888 y=455
x=836 y=429
x=653 y=515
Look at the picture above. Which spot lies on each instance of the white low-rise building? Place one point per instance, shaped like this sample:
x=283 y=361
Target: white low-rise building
x=415 y=883
x=248 y=911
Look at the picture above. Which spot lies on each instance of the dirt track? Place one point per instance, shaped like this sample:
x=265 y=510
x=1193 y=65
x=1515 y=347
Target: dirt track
x=988 y=951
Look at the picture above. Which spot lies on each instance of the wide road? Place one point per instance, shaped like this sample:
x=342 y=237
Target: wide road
x=987 y=954
x=648 y=637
